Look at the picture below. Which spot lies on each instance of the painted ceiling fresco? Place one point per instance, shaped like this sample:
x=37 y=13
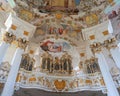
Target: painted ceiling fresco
x=65 y=18
x=86 y=13
x=54 y=5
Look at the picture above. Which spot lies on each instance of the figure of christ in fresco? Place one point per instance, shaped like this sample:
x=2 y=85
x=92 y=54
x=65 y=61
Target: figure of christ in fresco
x=44 y=45
x=51 y=46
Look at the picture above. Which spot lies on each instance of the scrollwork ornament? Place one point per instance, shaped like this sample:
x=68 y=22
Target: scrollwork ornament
x=110 y=43
x=9 y=37
x=117 y=36
x=22 y=43
x=96 y=47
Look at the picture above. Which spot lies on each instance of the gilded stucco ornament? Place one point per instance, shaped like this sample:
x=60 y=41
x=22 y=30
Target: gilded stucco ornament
x=117 y=36
x=22 y=43
x=60 y=84
x=27 y=62
x=96 y=47
x=110 y=43
x=4 y=70
x=26 y=15
x=9 y=37
x=92 y=65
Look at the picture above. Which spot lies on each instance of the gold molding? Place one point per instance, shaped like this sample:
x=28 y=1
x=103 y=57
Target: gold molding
x=22 y=43
x=9 y=37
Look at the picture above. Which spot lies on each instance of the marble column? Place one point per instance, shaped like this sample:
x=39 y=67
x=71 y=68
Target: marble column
x=3 y=48
x=114 y=50
x=112 y=90
x=7 y=40
x=110 y=28
x=11 y=80
x=110 y=85
x=108 y=94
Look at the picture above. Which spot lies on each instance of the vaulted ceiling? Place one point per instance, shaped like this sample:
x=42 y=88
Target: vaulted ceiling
x=86 y=13
x=70 y=16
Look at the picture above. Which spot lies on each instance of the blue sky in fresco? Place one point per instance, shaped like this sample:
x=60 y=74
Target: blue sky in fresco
x=77 y=2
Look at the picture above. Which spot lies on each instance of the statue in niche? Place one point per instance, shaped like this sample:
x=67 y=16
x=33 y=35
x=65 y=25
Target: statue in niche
x=31 y=62
x=88 y=66
x=62 y=65
x=51 y=65
x=56 y=62
x=48 y=62
x=27 y=64
x=25 y=61
x=92 y=65
x=62 y=60
x=65 y=64
x=69 y=64
x=30 y=67
x=44 y=60
x=95 y=65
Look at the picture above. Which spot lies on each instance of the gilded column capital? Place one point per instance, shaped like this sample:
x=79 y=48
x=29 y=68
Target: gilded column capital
x=87 y=61
x=91 y=60
x=110 y=43
x=96 y=47
x=9 y=37
x=22 y=43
